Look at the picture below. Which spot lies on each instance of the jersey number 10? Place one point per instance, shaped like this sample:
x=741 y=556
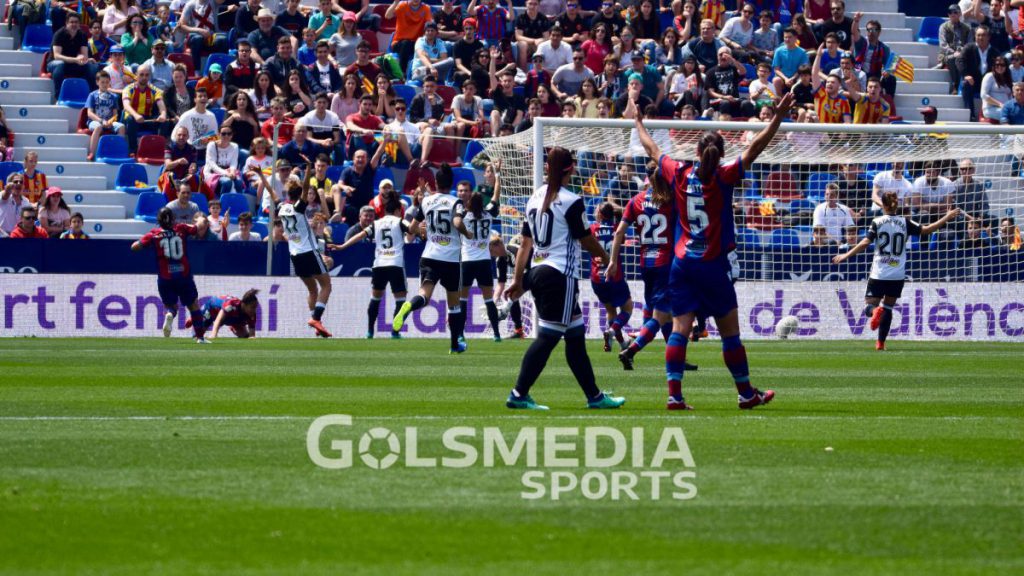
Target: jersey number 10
x=542 y=227
x=172 y=247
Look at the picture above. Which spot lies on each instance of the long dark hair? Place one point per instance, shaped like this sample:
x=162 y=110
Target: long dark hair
x=250 y=297
x=560 y=163
x=476 y=204
x=1003 y=78
x=709 y=151
x=661 y=189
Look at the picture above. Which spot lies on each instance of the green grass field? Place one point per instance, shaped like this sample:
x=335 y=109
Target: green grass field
x=161 y=457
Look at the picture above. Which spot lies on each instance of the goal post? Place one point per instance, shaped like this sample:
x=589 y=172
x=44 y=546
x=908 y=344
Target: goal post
x=806 y=199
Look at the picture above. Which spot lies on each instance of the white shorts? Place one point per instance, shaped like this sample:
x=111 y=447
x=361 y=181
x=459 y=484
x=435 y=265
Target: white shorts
x=116 y=126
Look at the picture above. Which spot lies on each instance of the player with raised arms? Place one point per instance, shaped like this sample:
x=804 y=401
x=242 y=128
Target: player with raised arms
x=477 y=221
x=442 y=227
x=705 y=233
x=389 y=234
x=553 y=230
x=303 y=246
x=238 y=314
x=890 y=234
x=652 y=211
x=174 y=276
x=612 y=291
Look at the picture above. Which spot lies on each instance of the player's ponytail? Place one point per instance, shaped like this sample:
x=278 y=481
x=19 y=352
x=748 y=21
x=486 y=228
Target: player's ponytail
x=476 y=205
x=250 y=296
x=890 y=202
x=709 y=151
x=661 y=189
x=560 y=163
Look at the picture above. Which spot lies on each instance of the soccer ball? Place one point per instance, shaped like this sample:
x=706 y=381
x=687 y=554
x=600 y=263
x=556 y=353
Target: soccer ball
x=786 y=326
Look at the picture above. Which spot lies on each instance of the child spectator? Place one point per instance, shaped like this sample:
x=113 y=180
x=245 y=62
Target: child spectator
x=99 y=43
x=75 y=232
x=54 y=215
x=766 y=39
x=762 y=92
x=215 y=220
x=213 y=83
x=35 y=181
x=120 y=75
x=307 y=52
x=259 y=159
x=103 y=108
x=244 y=233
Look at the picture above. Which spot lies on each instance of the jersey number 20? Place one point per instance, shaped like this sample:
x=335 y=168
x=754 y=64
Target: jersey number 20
x=172 y=247
x=891 y=246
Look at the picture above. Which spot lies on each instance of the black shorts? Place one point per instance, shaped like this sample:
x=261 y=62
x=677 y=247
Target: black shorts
x=384 y=275
x=448 y=274
x=478 y=271
x=555 y=295
x=880 y=288
x=309 y=264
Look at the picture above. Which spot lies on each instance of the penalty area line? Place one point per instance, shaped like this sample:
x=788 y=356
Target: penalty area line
x=546 y=416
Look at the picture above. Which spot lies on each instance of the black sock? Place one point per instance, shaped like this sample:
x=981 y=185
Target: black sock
x=535 y=359
x=883 y=328
x=398 y=306
x=516 y=313
x=579 y=362
x=453 y=325
x=464 y=306
x=417 y=302
x=372 y=311
x=492 y=315
x=318 y=311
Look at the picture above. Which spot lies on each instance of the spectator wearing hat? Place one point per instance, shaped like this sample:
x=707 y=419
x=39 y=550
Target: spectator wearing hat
x=556 y=53
x=465 y=51
x=432 y=57
x=365 y=17
x=531 y=28
x=653 y=83
x=344 y=43
x=54 y=215
x=954 y=35
x=199 y=21
x=411 y=17
x=26 y=227
x=634 y=92
x=70 y=50
x=537 y=76
x=213 y=83
x=120 y=74
x=265 y=37
x=160 y=67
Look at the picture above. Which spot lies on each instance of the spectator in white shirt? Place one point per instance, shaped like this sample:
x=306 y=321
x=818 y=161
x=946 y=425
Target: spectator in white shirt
x=891 y=181
x=835 y=217
x=933 y=194
x=244 y=232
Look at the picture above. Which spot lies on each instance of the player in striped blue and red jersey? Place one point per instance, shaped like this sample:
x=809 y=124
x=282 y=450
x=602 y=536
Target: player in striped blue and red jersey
x=653 y=213
x=611 y=290
x=174 y=280
x=700 y=280
x=239 y=314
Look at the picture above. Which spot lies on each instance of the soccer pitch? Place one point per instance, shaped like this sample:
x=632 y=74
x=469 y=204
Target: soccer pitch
x=156 y=456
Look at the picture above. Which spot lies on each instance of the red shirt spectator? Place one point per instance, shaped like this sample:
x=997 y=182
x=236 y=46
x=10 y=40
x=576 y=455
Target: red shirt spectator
x=27 y=227
x=284 y=134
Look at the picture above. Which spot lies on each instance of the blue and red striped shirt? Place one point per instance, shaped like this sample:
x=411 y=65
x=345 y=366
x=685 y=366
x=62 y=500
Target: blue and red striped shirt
x=705 y=229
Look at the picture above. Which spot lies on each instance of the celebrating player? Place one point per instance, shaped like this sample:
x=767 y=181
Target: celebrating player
x=389 y=236
x=239 y=314
x=612 y=291
x=699 y=278
x=175 y=281
x=553 y=230
x=889 y=266
x=477 y=221
x=440 y=261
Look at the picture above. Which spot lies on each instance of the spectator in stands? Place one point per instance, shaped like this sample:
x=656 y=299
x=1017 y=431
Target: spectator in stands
x=27 y=227
x=99 y=43
x=976 y=59
x=538 y=76
x=533 y=110
x=449 y=21
x=205 y=230
x=215 y=222
x=366 y=217
x=705 y=48
x=787 y=61
x=411 y=17
x=300 y=151
x=803 y=90
x=179 y=163
x=54 y=214
x=213 y=82
x=1017 y=64
x=686 y=85
x=738 y=33
x=117 y=16
x=103 y=109
x=120 y=74
x=70 y=50
x=816 y=11
x=549 y=106
x=285 y=125
x=611 y=84
x=509 y=107
x=465 y=51
x=975 y=237
x=413 y=143
x=183 y=207
x=201 y=125
x=344 y=43
x=137 y=44
x=871 y=55
x=575 y=27
x=59 y=12
x=180 y=97
x=244 y=232
x=1000 y=27
x=259 y=160
x=265 y=37
x=597 y=49
x=242 y=120
x=297 y=96
x=668 y=54
x=357 y=183
x=996 y=90
x=762 y=91
x=164 y=30
x=1009 y=234
x=362 y=127
x=970 y=195
x=892 y=181
x=363 y=67
x=325 y=129
x=161 y=69
x=610 y=17
x=144 y=108
x=1012 y=113
x=839 y=23
x=11 y=203
x=245 y=17
x=306 y=53
x=241 y=73
x=282 y=62
x=75 y=232
x=221 y=170
x=722 y=87
x=468 y=120
x=432 y=57
x=833 y=216
x=954 y=35
x=292 y=19
x=492 y=20
x=531 y=29
x=35 y=180
x=427 y=107
x=263 y=94
x=820 y=238
x=323 y=21
x=568 y=78
x=871 y=108
x=831 y=105
x=854 y=190
x=933 y=193
x=831 y=57
x=653 y=84
x=765 y=39
x=199 y=21
x=556 y=53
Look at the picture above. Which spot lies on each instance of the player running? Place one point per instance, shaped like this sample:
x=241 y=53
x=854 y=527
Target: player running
x=612 y=291
x=477 y=222
x=238 y=314
x=553 y=230
x=705 y=233
x=889 y=232
x=174 y=280
x=652 y=211
x=440 y=223
x=389 y=235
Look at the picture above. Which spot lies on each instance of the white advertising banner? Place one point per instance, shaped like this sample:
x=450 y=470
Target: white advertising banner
x=128 y=306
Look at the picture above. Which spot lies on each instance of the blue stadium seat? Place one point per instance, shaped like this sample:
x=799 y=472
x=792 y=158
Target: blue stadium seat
x=222 y=59
x=73 y=93
x=338 y=232
x=802 y=206
x=37 y=38
x=928 y=33
x=406 y=92
x=382 y=173
x=236 y=203
x=751 y=71
x=460 y=174
x=261 y=229
x=8 y=168
x=113 y=149
x=130 y=173
x=334 y=172
x=148 y=204
x=219 y=113
x=745 y=237
x=201 y=201
x=784 y=238
x=816 y=182
x=666 y=20
x=473 y=147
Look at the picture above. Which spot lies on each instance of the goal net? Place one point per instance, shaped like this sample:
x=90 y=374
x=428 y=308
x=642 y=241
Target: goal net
x=808 y=198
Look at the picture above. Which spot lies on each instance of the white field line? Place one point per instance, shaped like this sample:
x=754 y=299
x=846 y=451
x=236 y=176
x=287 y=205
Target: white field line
x=532 y=417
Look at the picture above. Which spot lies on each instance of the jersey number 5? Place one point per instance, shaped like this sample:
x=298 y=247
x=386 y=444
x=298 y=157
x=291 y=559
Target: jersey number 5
x=172 y=247
x=698 y=218
x=386 y=241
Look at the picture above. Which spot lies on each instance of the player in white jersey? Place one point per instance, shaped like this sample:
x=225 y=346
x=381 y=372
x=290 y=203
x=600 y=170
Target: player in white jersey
x=389 y=234
x=303 y=247
x=554 y=229
x=890 y=233
x=439 y=222
x=477 y=223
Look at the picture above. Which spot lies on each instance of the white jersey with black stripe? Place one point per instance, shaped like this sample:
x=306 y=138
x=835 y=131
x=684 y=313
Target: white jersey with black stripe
x=557 y=232
x=891 y=237
x=301 y=238
x=443 y=240
x=477 y=246
x=388 y=235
